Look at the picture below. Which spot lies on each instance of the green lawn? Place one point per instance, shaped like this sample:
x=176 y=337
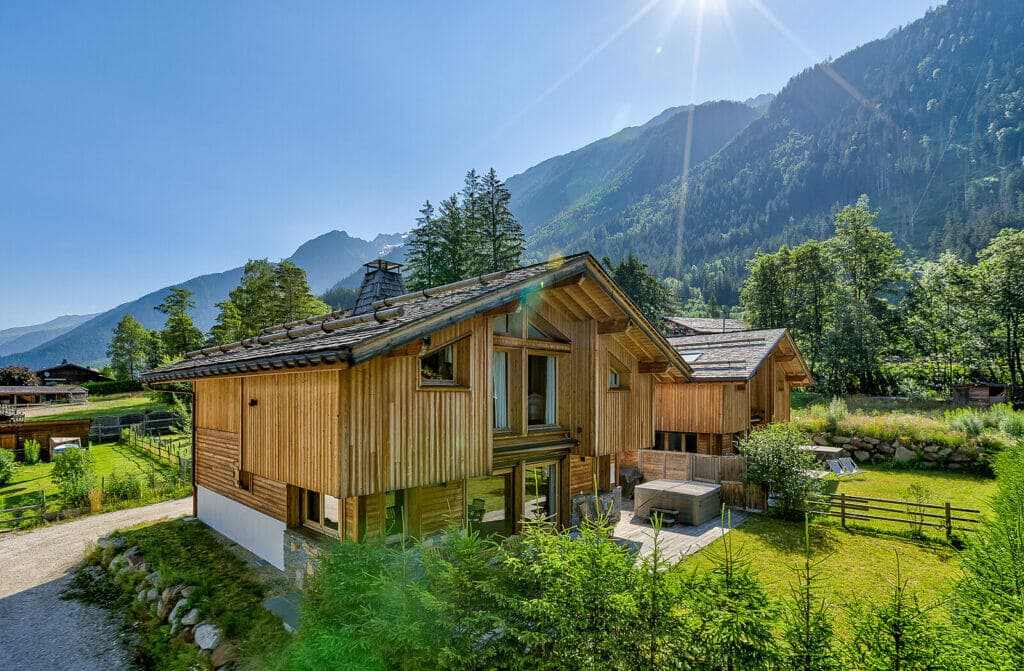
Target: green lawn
x=858 y=562
x=28 y=481
x=115 y=404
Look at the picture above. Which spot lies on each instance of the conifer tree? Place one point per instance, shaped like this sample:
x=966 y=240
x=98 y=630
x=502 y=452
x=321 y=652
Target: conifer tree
x=499 y=237
x=808 y=633
x=650 y=296
x=421 y=259
x=453 y=244
x=229 y=324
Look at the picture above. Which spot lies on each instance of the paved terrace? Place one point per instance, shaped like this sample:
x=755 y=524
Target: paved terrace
x=677 y=541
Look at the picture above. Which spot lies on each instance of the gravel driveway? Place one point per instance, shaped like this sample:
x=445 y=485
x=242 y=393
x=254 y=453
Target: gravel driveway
x=40 y=632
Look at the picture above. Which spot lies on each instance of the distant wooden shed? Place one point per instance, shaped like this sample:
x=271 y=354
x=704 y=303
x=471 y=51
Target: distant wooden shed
x=980 y=394
x=30 y=394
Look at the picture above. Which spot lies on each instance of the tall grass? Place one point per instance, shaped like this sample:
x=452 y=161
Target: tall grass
x=968 y=420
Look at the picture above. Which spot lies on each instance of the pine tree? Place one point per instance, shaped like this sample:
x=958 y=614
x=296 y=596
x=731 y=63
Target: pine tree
x=648 y=294
x=421 y=259
x=180 y=333
x=499 y=237
x=808 y=634
x=129 y=347
x=453 y=244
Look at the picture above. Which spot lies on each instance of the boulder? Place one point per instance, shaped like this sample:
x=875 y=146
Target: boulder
x=222 y=655
x=152 y=595
x=177 y=611
x=133 y=556
x=820 y=440
x=931 y=449
x=142 y=596
x=903 y=455
x=153 y=578
x=116 y=563
x=184 y=636
x=841 y=440
x=116 y=542
x=858 y=442
x=871 y=441
x=861 y=455
x=188 y=591
x=190 y=618
x=885 y=448
x=944 y=453
x=144 y=568
x=207 y=636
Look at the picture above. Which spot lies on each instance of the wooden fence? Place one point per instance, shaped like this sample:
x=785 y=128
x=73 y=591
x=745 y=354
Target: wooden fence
x=176 y=450
x=40 y=507
x=725 y=470
x=915 y=514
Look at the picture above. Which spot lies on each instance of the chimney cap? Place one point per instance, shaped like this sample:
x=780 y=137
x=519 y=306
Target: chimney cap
x=382 y=264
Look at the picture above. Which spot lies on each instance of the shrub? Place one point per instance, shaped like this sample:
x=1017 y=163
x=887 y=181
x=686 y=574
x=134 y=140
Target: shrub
x=1008 y=420
x=99 y=388
x=775 y=461
x=32 y=449
x=7 y=466
x=968 y=420
x=122 y=487
x=74 y=473
x=835 y=412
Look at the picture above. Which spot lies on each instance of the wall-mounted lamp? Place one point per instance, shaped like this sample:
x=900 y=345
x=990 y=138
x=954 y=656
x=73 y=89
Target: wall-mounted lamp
x=253 y=403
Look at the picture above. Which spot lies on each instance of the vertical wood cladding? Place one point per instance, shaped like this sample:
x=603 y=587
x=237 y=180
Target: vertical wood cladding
x=290 y=428
x=402 y=434
x=221 y=405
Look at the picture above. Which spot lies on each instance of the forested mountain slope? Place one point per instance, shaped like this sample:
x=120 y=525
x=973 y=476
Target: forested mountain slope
x=929 y=122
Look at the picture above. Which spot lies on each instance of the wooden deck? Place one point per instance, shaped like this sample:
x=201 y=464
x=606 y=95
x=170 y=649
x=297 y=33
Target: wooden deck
x=676 y=541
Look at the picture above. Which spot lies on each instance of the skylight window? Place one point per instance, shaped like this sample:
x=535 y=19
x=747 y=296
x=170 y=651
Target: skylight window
x=690 y=358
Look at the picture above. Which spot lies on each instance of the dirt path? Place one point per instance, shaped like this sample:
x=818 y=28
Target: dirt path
x=43 y=633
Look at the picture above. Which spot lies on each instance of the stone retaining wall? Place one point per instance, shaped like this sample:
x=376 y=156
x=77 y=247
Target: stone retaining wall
x=866 y=449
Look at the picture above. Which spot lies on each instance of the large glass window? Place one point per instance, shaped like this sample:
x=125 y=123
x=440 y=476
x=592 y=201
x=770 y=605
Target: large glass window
x=541 y=394
x=501 y=390
x=541 y=500
x=489 y=505
x=510 y=324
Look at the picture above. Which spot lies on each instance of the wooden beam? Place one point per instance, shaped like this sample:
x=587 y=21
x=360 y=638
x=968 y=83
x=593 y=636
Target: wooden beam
x=653 y=367
x=560 y=301
x=416 y=348
x=572 y=281
x=783 y=358
x=616 y=326
x=507 y=308
x=796 y=378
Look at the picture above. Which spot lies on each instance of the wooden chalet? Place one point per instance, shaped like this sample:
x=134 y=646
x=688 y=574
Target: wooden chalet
x=487 y=401
x=70 y=374
x=740 y=379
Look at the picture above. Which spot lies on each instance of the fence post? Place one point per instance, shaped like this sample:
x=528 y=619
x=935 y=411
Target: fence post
x=842 y=508
x=42 y=504
x=949 y=522
x=103 y=483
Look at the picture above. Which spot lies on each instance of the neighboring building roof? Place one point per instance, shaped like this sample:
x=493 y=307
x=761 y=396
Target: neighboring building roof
x=65 y=366
x=736 y=356
x=395 y=322
x=37 y=389
x=701 y=325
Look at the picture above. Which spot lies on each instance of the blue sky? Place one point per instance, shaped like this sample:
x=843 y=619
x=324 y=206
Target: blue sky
x=144 y=143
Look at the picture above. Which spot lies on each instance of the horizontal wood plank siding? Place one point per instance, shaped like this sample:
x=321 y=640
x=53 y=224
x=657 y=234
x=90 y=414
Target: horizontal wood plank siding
x=216 y=466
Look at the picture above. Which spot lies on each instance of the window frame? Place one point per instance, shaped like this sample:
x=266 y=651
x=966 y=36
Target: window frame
x=460 y=354
x=320 y=524
x=621 y=373
x=551 y=392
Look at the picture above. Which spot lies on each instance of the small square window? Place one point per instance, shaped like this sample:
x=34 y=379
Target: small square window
x=439 y=366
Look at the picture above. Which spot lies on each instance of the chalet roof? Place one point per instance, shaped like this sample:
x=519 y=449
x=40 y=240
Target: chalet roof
x=67 y=364
x=736 y=356
x=39 y=389
x=701 y=325
x=395 y=322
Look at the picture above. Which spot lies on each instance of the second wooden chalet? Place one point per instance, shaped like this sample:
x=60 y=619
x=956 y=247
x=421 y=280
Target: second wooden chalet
x=489 y=401
x=740 y=379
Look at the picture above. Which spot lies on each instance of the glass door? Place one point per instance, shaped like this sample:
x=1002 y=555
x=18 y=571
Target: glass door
x=541 y=500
